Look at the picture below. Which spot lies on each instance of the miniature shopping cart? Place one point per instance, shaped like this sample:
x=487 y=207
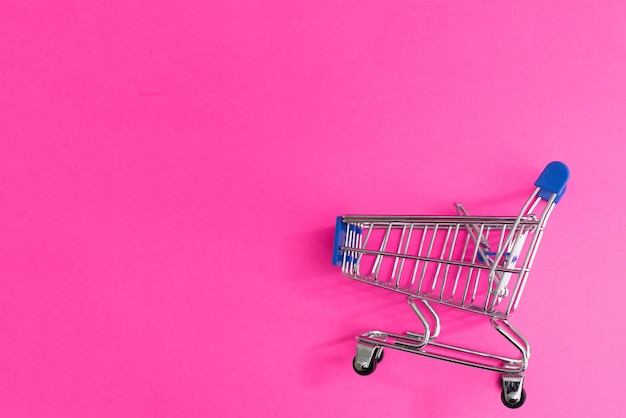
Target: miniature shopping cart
x=477 y=264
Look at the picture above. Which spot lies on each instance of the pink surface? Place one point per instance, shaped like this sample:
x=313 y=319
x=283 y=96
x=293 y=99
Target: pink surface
x=170 y=173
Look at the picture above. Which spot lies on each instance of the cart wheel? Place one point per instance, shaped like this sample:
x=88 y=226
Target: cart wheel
x=381 y=354
x=364 y=371
x=514 y=405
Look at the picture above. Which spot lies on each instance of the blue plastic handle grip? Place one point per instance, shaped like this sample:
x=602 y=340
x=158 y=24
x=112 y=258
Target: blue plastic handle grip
x=553 y=179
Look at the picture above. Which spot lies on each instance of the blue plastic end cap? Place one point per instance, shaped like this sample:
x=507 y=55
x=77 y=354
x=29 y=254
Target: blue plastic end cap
x=553 y=179
x=340 y=238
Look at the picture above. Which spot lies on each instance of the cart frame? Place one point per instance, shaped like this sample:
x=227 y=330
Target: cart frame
x=453 y=253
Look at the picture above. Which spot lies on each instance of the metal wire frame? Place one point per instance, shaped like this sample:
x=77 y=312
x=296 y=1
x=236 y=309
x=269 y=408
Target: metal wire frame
x=455 y=250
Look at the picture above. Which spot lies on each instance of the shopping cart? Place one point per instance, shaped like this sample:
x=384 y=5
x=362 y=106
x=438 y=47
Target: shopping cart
x=477 y=264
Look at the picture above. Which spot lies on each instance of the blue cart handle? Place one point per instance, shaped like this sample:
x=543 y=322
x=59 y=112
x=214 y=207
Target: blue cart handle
x=553 y=179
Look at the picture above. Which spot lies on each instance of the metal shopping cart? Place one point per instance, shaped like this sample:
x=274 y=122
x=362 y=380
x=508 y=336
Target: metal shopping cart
x=477 y=264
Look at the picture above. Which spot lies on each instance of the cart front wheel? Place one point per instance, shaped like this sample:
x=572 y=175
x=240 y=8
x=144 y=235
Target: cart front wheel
x=362 y=370
x=512 y=404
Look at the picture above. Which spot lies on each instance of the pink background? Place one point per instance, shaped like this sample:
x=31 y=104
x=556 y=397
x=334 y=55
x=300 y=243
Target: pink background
x=170 y=172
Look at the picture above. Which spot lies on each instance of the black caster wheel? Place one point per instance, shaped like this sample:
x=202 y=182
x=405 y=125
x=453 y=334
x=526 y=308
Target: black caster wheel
x=514 y=405
x=364 y=371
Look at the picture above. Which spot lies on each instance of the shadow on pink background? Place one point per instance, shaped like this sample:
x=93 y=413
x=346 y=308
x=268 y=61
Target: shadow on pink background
x=170 y=174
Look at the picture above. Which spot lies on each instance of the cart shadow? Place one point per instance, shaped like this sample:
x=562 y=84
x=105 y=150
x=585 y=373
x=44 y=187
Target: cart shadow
x=309 y=253
x=309 y=267
x=359 y=308
x=327 y=361
x=308 y=264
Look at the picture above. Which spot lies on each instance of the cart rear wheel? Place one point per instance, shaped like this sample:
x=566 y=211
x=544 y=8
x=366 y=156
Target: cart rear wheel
x=514 y=405
x=364 y=371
